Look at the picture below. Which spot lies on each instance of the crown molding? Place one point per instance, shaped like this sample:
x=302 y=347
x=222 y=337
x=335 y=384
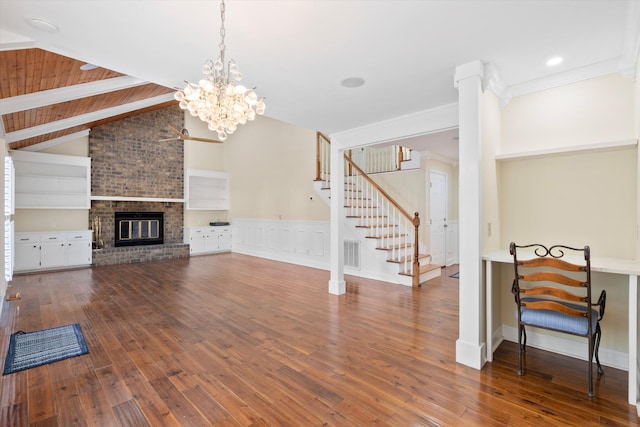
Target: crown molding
x=493 y=81
x=616 y=65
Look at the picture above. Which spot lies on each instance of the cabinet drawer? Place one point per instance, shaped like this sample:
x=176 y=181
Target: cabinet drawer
x=52 y=237
x=78 y=236
x=27 y=238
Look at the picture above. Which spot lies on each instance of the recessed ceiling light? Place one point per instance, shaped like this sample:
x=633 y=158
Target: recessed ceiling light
x=352 y=82
x=43 y=25
x=554 y=61
x=87 y=67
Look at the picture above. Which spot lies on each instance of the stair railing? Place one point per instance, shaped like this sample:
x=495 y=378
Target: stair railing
x=323 y=159
x=385 y=219
x=381 y=159
x=388 y=222
x=370 y=159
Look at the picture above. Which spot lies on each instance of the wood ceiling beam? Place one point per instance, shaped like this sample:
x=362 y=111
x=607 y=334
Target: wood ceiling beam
x=68 y=93
x=86 y=118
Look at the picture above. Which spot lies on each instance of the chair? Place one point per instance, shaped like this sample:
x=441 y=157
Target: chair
x=555 y=294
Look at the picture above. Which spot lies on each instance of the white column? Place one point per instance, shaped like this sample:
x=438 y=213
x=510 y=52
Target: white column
x=337 y=285
x=470 y=349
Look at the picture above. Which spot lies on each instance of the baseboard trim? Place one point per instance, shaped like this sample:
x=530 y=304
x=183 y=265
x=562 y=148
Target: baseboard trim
x=568 y=347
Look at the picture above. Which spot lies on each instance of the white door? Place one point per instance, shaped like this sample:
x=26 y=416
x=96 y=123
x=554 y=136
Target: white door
x=438 y=212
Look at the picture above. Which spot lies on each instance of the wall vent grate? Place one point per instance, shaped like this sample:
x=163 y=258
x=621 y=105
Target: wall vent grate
x=352 y=253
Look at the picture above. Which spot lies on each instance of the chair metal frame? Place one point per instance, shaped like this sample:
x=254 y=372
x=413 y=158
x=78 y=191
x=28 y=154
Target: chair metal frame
x=542 y=283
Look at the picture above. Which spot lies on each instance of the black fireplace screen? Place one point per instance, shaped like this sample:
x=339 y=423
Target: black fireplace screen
x=139 y=228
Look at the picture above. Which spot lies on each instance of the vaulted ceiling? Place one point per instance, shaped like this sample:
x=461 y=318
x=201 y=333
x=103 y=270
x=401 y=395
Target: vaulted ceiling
x=46 y=96
x=295 y=52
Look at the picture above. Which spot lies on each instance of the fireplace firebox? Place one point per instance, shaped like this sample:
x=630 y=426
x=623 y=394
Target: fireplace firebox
x=139 y=228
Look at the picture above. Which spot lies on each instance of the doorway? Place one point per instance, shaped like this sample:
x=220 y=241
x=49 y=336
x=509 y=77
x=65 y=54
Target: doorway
x=438 y=210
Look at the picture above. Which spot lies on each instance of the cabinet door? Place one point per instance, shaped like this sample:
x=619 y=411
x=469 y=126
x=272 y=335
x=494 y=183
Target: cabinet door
x=78 y=253
x=197 y=243
x=27 y=256
x=52 y=254
x=211 y=242
x=224 y=241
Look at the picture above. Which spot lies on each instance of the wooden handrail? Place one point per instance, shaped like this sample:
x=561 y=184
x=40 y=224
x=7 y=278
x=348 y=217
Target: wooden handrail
x=319 y=137
x=415 y=220
x=325 y=137
x=384 y=193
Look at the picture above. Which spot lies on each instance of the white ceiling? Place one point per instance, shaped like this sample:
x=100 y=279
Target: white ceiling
x=297 y=51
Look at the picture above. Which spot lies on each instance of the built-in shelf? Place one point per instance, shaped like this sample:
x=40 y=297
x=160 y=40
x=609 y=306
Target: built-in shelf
x=137 y=199
x=51 y=181
x=206 y=190
x=601 y=146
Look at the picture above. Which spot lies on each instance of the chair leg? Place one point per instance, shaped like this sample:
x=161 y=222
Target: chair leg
x=591 y=351
x=521 y=347
x=597 y=346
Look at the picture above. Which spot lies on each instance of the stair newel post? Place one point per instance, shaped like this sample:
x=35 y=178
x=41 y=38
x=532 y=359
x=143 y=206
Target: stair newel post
x=416 y=261
x=400 y=157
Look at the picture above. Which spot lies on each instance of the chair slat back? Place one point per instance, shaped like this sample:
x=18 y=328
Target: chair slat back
x=550 y=276
x=546 y=282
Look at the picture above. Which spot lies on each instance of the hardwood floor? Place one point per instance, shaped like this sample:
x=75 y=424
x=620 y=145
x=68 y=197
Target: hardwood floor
x=232 y=340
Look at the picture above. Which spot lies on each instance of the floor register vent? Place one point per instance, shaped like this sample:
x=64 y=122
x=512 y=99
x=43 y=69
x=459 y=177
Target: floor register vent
x=352 y=253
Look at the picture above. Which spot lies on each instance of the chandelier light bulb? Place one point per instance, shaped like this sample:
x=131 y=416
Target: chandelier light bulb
x=216 y=99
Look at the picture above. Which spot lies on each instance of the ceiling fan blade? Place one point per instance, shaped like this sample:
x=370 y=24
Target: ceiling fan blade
x=176 y=131
x=193 y=138
x=169 y=139
x=184 y=135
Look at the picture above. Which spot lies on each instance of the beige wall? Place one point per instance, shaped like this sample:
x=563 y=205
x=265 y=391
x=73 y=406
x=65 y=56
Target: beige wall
x=411 y=190
x=207 y=156
x=272 y=168
x=637 y=118
x=491 y=137
x=575 y=198
x=592 y=111
x=56 y=219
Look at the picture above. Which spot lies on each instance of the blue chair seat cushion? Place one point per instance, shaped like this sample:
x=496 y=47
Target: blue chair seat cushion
x=560 y=322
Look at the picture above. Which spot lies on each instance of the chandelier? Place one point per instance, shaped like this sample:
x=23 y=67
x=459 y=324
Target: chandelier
x=216 y=99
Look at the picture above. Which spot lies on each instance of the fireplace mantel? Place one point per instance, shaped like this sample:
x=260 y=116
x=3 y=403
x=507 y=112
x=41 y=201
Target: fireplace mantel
x=136 y=199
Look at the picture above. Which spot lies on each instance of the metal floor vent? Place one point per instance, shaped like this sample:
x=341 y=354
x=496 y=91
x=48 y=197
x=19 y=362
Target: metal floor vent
x=352 y=253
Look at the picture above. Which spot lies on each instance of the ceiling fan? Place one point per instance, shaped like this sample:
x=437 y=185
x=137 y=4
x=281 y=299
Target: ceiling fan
x=184 y=135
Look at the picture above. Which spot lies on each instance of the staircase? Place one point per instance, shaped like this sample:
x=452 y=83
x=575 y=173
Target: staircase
x=387 y=233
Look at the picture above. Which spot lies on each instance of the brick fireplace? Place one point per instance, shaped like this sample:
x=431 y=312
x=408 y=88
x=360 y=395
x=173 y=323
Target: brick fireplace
x=131 y=171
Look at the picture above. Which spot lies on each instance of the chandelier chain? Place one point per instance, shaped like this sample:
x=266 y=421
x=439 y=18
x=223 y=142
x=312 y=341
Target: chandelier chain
x=222 y=29
x=218 y=98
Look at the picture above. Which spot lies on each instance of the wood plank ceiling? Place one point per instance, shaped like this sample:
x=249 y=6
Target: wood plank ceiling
x=45 y=96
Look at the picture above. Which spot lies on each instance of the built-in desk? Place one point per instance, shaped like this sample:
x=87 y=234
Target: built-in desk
x=626 y=267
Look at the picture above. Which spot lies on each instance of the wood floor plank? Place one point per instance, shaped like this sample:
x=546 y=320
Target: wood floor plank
x=233 y=340
x=129 y=414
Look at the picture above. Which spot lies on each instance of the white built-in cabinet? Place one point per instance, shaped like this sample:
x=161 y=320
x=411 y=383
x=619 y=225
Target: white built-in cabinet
x=50 y=250
x=51 y=181
x=204 y=240
x=206 y=190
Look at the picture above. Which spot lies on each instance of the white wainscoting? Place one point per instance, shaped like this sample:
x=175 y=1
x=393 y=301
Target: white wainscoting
x=298 y=242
